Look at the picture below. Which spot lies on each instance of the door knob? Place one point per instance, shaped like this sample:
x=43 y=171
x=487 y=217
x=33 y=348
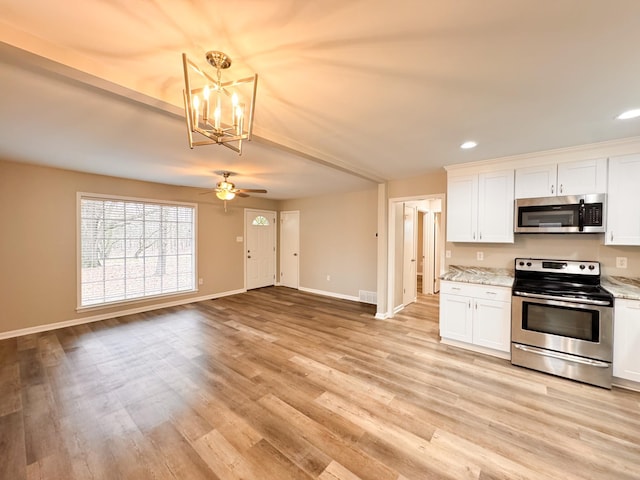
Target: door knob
x=295 y=254
x=248 y=256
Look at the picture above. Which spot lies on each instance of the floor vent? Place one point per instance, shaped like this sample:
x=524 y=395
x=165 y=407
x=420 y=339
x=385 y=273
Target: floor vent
x=368 y=297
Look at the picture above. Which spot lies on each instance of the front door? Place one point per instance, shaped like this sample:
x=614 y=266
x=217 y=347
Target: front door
x=260 y=248
x=289 y=248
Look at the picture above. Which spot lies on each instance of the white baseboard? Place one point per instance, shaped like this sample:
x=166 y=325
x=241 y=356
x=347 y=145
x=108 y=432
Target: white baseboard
x=105 y=316
x=329 y=294
x=381 y=316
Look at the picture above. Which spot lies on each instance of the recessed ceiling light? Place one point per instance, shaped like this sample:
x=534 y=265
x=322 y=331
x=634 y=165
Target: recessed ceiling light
x=629 y=114
x=469 y=144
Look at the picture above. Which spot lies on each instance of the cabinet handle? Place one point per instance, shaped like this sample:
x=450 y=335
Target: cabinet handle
x=474 y=235
x=476 y=304
x=491 y=293
x=561 y=188
x=455 y=288
x=612 y=235
x=552 y=188
x=469 y=303
x=480 y=235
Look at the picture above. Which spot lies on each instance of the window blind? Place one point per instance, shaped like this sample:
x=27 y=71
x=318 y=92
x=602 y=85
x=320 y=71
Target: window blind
x=134 y=249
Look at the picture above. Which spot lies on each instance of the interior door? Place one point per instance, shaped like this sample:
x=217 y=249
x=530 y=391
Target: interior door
x=437 y=250
x=409 y=273
x=260 y=248
x=289 y=249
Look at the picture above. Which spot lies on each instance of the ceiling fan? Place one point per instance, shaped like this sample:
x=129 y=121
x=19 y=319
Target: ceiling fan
x=225 y=190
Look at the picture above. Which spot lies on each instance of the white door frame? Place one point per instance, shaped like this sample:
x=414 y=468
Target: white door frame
x=275 y=241
x=391 y=243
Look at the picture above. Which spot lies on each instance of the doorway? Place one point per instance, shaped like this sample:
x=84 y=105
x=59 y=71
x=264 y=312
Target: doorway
x=427 y=252
x=430 y=246
x=260 y=243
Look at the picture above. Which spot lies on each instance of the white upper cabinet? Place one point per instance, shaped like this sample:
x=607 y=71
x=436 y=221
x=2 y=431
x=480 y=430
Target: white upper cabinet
x=537 y=181
x=480 y=207
x=462 y=208
x=495 y=207
x=569 y=178
x=623 y=201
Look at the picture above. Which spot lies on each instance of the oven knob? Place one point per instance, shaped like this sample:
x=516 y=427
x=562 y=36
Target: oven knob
x=591 y=267
x=582 y=267
x=521 y=264
x=528 y=264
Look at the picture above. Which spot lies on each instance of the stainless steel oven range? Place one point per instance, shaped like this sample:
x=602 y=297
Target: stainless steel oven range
x=562 y=320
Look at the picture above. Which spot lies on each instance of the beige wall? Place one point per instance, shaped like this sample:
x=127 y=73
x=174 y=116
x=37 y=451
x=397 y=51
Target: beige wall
x=38 y=240
x=338 y=238
x=432 y=183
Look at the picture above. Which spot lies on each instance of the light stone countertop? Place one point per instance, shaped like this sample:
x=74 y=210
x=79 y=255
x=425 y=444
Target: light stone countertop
x=622 y=287
x=499 y=277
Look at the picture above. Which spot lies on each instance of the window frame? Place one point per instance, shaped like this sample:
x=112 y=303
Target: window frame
x=119 y=198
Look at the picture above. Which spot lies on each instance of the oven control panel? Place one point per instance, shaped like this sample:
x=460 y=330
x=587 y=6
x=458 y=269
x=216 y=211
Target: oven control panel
x=574 y=267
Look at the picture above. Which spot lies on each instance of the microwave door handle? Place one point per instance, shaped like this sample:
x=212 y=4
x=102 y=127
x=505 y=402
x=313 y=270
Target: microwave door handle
x=581 y=209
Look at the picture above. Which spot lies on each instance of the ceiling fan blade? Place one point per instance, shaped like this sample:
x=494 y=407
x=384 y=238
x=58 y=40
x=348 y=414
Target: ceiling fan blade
x=243 y=195
x=252 y=190
x=208 y=191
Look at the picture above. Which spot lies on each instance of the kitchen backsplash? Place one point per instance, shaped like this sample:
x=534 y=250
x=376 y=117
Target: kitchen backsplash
x=561 y=246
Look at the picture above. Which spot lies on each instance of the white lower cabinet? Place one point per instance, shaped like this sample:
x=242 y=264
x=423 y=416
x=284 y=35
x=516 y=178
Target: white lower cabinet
x=626 y=339
x=476 y=315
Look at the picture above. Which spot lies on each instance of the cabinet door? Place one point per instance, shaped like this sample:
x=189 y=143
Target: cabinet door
x=623 y=201
x=626 y=340
x=455 y=317
x=492 y=324
x=539 y=181
x=585 y=176
x=495 y=207
x=462 y=207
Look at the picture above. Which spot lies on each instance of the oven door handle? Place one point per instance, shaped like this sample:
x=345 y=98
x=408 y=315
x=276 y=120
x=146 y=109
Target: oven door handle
x=586 y=301
x=562 y=356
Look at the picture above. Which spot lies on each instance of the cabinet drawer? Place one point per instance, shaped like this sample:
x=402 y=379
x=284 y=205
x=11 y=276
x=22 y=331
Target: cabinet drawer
x=455 y=288
x=489 y=292
x=475 y=290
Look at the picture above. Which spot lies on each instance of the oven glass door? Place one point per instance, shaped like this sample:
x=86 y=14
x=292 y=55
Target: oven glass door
x=569 y=327
x=562 y=321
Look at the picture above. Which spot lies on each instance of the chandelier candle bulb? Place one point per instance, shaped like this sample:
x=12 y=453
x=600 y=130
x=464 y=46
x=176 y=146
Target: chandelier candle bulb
x=205 y=114
x=196 y=108
x=216 y=118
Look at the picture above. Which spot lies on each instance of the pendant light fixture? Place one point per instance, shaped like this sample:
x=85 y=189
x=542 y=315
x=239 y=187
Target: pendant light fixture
x=222 y=112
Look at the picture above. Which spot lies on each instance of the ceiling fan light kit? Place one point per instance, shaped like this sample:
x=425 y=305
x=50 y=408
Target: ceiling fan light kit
x=225 y=190
x=221 y=112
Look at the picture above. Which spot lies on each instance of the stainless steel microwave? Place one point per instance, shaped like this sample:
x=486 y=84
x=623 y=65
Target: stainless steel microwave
x=568 y=214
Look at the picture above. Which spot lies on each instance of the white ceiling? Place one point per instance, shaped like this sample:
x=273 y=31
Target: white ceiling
x=385 y=90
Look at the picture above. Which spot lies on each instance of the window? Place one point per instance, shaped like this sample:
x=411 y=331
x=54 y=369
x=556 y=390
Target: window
x=260 y=221
x=132 y=249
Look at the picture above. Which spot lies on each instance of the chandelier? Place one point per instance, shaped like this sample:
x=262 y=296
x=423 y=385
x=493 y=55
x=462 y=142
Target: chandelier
x=221 y=112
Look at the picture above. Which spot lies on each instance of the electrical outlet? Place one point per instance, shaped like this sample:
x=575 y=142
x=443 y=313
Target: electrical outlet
x=201 y=281
x=447 y=253
x=621 y=262
x=480 y=255
x=328 y=278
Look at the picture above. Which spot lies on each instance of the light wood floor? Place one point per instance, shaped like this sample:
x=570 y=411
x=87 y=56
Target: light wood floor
x=279 y=384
